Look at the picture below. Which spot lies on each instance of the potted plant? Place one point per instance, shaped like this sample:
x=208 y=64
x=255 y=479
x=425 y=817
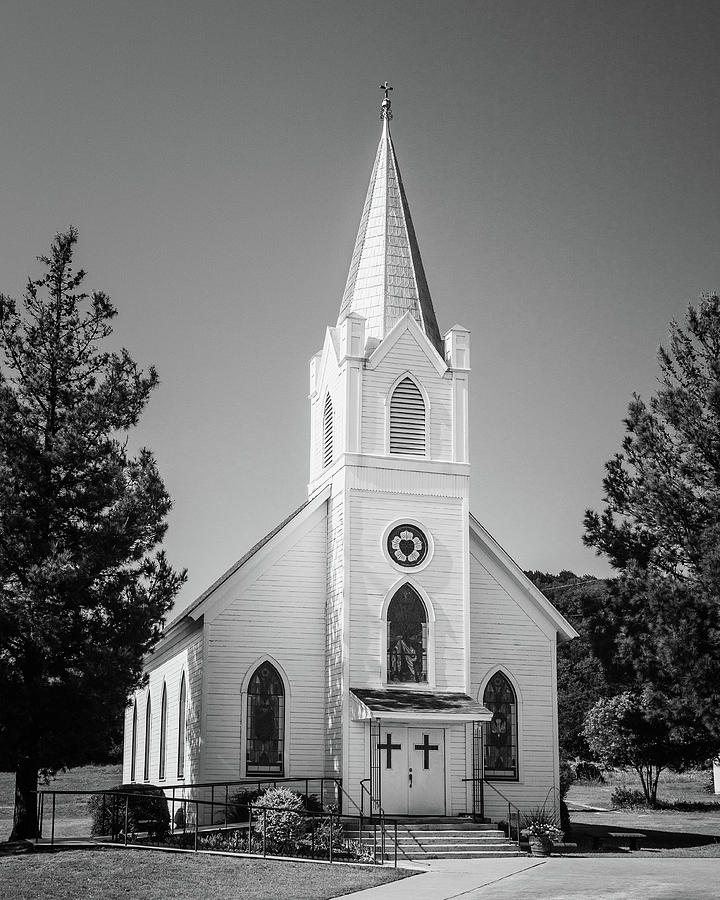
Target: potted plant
x=542 y=831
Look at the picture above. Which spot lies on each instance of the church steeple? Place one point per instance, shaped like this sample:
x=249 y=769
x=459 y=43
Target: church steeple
x=386 y=278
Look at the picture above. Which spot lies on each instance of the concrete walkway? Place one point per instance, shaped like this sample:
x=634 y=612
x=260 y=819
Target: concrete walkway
x=559 y=878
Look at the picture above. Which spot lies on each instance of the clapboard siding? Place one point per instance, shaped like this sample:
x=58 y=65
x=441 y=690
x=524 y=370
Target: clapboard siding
x=188 y=659
x=281 y=615
x=372 y=576
x=406 y=356
x=334 y=636
x=455 y=762
x=505 y=636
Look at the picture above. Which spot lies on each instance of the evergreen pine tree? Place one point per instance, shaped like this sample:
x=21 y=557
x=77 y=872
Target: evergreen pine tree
x=83 y=587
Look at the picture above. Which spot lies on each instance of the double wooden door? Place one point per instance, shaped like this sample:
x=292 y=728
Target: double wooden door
x=412 y=770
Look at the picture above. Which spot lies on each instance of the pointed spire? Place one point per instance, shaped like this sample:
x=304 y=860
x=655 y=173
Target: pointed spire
x=386 y=278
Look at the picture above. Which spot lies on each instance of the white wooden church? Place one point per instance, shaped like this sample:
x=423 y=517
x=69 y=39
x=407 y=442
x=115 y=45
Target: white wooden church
x=379 y=634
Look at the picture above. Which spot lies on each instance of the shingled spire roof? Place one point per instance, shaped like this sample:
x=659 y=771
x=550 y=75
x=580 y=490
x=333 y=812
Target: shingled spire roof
x=386 y=278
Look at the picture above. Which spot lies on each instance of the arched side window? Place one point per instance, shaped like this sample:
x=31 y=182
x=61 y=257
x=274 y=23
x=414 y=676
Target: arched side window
x=407 y=637
x=407 y=419
x=501 y=738
x=148 y=738
x=327 y=445
x=265 y=743
x=163 y=733
x=181 y=729
x=133 y=742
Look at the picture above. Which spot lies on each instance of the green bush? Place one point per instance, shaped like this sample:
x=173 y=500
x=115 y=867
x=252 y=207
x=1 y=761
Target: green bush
x=626 y=798
x=588 y=771
x=241 y=801
x=567 y=777
x=108 y=810
x=284 y=823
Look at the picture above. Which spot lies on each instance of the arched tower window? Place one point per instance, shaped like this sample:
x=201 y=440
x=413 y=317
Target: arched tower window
x=182 y=716
x=501 y=740
x=163 y=733
x=407 y=637
x=133 y=742
x=327 y=445
x=148 y=738
x=407 y=419
x=265 y=744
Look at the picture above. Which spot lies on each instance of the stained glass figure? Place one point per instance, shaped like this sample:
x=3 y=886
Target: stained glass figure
x=406 y=637
x=265 y=722
x=501 y=737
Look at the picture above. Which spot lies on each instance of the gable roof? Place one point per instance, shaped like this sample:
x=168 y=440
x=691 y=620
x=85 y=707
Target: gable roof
x=565 y=630
x=193 y=610
x=386 y=277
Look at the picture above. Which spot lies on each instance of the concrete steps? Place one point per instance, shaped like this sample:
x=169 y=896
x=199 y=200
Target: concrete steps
x=443 y=839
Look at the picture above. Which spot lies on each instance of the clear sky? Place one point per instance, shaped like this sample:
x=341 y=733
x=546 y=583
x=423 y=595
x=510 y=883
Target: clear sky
x=561 y=164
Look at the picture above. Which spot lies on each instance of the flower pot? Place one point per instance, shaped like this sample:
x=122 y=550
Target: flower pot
x=539 y=847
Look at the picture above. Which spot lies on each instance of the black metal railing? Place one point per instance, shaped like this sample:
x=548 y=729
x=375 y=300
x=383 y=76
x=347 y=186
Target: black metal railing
x=121 y=817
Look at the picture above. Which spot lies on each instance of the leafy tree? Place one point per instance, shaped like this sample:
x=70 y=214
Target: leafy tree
x=628 y=731
x=660 y=625
x=580 y=678
x=83 y=588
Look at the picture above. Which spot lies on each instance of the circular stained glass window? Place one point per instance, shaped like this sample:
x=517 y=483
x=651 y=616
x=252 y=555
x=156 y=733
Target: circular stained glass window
x=407 y=545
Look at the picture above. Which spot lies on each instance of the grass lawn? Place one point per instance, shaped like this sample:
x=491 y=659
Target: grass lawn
x=143 y=875
x=668 y=832
x=71 y=812
x=685 y=787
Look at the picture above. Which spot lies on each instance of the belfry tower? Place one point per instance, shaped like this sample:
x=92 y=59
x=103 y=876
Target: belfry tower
x=389 y=401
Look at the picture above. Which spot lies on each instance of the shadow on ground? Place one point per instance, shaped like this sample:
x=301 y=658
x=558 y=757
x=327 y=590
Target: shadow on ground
x=584 y=835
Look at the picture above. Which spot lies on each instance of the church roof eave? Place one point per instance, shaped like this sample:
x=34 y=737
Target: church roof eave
x=564 y=630
x=197 y=608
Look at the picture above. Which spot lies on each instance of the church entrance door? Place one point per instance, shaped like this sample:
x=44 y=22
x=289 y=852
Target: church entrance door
x=412 y=770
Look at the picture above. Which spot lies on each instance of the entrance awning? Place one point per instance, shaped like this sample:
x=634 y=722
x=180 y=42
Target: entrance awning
x=416 y=706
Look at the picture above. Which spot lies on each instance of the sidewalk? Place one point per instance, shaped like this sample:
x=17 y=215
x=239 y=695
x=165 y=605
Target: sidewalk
x=562 y=878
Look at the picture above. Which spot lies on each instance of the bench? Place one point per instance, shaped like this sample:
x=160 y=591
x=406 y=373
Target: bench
x=630 y=839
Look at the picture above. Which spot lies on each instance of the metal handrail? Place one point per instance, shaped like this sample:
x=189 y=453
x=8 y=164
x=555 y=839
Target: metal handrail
x=510 y=805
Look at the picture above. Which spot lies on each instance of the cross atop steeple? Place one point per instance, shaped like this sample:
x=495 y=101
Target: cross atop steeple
x=385 y=111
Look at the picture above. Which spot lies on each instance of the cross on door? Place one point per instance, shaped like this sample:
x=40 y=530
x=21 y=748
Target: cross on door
x=388 y=746
x=426 y=747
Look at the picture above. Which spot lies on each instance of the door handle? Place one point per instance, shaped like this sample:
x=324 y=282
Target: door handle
x=410 y=776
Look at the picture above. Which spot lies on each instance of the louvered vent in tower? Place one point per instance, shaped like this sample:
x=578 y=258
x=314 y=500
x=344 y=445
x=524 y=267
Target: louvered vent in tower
x=407 y=420
x=327 y=454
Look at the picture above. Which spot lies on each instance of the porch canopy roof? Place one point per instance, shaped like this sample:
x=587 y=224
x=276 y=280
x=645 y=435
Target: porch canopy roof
x=416 y=706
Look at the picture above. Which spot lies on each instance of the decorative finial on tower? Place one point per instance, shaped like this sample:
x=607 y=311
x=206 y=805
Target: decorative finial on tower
x=385 y=111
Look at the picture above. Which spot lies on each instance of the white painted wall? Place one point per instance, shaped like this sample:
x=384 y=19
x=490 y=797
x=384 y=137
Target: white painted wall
x=168 y=667
x=406 y=356
x=506 y=635
x=280 y=616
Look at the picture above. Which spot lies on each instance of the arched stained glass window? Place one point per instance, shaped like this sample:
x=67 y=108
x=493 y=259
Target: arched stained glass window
x=407 y=637
x=163 y=733
x=148 y=738
x=133 y=742
x=265 y=744
x=501 y=736
x=181 y=729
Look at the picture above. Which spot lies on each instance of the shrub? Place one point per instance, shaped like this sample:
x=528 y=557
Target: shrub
x=625 y=798
x=588 y=771
x=241 y=801
x=108 y=810
x=567 y=776
x=283 y=825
